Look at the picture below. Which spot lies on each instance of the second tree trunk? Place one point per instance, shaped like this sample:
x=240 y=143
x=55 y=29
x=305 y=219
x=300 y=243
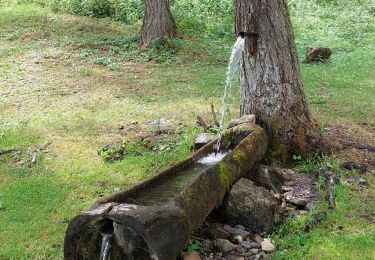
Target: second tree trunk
x=158 y=22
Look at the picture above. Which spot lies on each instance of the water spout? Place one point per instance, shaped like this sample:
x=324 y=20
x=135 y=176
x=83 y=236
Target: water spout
x=105 y=247
x=231 y=70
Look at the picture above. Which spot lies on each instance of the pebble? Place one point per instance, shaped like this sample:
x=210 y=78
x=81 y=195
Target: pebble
x=236 y=231
x=267 y=246
x=249 y=244
x=224 y=245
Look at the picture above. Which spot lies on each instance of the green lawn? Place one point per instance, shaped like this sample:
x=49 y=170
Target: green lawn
x=70 y=84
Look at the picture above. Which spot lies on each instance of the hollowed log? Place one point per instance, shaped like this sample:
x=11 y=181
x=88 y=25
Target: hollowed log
x=159 y=228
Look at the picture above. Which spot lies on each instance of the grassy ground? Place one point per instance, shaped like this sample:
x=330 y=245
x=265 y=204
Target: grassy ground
x=71 y=84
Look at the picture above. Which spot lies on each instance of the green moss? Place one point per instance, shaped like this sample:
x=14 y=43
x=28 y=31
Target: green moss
x=239 y=155
x=224 y=174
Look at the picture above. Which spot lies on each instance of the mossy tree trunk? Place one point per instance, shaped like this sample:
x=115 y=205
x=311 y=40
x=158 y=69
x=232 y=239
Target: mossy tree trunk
x=271 y=84
x=158 y=22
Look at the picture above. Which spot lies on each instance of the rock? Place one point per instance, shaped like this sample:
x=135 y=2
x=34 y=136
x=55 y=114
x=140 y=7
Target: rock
x=239 y=249
x=258 y=239
x=224 y=245
x=314 y=54
x=267 y=177
x=203 y=139
x=217 y=231
x=267 y=246
x=208 y=246
x=161 y=125
x=310 y=206
x=254 y=251
x=236 y=239
x=242 y=120
x=236 y=231
x=266 y=257
x=250 y=245
x=234 y=257
x=191 y=256
x=251 y=206
x=297 y=201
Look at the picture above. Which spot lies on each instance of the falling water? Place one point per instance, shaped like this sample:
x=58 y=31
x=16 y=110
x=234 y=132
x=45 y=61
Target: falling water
x=106 y=246
x=231 y=70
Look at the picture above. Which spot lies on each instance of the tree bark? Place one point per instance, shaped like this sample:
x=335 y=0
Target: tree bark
x=271 y=84
x=158 y=22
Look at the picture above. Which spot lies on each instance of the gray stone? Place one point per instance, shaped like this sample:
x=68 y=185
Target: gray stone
x=249 y=244
x=203 y=139
x=251 y=206
x=236 y=231
x=161 y=125
x=224 y=245
x=242 y=120
x=297 y=201
x=267 y=246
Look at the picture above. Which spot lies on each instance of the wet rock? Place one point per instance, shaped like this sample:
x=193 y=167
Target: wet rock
x=250 y=245
x=314 y=54
x=191 y=256
x=224 y=245
x=251 y=206
x=242 y=120
x=236 y=231
x=203 y=139
x=218 y=231
x=267 y=246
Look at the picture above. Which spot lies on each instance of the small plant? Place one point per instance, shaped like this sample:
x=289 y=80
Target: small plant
x=194 y=245
x=113 y=151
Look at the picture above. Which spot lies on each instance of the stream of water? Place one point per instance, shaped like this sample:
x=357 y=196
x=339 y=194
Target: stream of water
x=231 y=71
x=105 y=247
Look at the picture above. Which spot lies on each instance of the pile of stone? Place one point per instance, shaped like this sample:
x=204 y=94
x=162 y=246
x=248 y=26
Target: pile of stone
x=236 y=243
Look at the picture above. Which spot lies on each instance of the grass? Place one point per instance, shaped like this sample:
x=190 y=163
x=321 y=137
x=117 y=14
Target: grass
x=70 y=84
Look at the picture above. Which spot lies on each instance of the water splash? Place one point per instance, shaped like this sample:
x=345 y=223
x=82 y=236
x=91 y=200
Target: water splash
x=212 y=158
x=105 y=247
x=231 y=71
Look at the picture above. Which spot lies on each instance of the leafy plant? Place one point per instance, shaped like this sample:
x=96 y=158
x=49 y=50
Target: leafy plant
x=194 y=245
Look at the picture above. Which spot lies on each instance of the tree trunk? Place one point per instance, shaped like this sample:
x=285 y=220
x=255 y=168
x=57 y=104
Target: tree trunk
x=158 y=22
x=271 y=84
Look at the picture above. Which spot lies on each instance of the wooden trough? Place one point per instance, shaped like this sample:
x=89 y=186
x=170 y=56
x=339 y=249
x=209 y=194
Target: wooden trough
x=155 y=219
